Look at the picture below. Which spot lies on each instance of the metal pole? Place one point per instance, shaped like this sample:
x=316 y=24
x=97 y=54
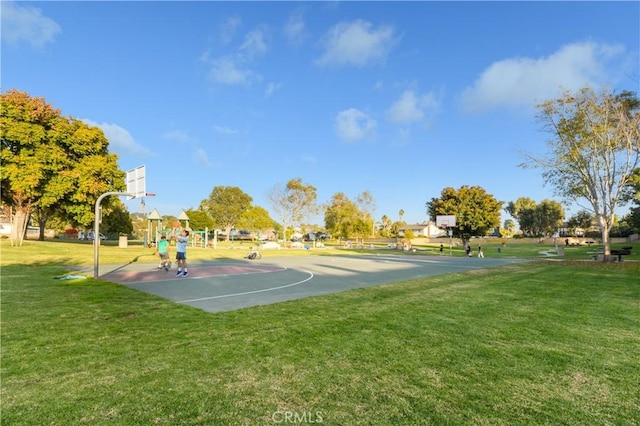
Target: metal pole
x=96 y=231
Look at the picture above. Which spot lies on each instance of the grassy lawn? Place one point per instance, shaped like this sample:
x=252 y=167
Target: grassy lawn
x=538 y=343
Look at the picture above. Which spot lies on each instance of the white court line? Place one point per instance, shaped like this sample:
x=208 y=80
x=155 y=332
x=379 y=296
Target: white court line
x=250 y=292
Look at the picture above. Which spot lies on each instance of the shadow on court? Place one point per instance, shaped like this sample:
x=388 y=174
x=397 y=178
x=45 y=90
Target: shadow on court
x=226 y=285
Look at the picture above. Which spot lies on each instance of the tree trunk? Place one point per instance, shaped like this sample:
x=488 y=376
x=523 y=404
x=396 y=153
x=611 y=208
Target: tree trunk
x=606 y=244
x=42 y=218
x=19 y=226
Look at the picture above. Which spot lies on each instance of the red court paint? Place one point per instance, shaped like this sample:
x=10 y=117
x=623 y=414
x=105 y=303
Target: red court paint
x=130 y=277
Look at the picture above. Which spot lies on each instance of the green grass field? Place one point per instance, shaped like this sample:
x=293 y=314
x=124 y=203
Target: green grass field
x=545 y=342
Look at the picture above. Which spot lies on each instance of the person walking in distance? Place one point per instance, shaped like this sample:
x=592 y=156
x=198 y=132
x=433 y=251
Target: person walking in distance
x=162 y=250
x=181 y=253
x=480 y=253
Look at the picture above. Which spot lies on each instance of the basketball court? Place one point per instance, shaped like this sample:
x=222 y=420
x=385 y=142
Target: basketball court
x=226 y=285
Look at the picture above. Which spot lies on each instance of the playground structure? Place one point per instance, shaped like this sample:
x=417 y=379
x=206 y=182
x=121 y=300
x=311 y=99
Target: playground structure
x=154 y=230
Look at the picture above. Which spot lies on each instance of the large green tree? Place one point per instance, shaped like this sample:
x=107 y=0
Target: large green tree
x=226 y=205
x=477 y=212
x=520 y=211
x=51 y=164
x=256 y=219
x=549 y=217
x=633 y=218
x=593 y=151
x=343 y=218
x=580 y=222
x=200 y=220
x=118 y=221
x=535 y=219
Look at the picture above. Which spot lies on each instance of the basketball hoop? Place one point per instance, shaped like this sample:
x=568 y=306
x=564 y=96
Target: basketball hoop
x=136 y=181
x=447 y=222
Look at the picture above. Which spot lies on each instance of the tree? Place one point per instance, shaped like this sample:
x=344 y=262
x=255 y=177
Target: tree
x=385 y=226
x=226 y=205
x=633 y=218
x=51 y=164
x=520 y=211
x=594 y=149
x=200 y=219
x=343 y=218
x=367 y=205
x=292 y=201
x=256 y=219
x=534 y=219
x=476 y=211
x=580 y=222
x=118 y=221
x=549 y=215
x=509 y=228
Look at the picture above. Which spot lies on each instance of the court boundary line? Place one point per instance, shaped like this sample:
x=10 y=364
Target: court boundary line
x=244 y=293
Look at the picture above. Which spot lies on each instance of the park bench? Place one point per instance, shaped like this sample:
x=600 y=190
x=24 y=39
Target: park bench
x=624 y=251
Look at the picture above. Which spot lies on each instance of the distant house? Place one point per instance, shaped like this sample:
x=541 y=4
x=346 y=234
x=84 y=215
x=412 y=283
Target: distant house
x=5 y=228
x=427 y=230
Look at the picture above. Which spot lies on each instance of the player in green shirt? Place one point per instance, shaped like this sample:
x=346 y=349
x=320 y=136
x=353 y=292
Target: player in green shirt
x=162 y=250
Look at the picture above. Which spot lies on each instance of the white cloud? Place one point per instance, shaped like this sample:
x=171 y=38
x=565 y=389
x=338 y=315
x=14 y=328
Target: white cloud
x=411 y=107
x=233 y=68
x=176 y=135
x=202 y=159
x=294 y=29
x=120 y=140
x=523 y=82
x=356 y=43
x=26 y=24
x=228 y=30
x=224 y=130
x=228 y=70
x=272 y=88
x=254 y=44
x=353 y=125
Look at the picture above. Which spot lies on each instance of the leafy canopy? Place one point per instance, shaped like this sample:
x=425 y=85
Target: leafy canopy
x=477 y=212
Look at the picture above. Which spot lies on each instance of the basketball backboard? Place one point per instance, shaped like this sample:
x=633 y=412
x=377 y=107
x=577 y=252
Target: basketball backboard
x=446 y=221
x=136 y=185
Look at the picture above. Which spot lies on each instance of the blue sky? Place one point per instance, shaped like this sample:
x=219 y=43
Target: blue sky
x=401 y=99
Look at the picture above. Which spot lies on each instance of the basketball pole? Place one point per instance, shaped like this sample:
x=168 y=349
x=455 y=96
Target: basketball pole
x=96 y=229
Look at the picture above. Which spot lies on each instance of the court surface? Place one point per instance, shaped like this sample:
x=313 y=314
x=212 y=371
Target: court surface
x=225 y=285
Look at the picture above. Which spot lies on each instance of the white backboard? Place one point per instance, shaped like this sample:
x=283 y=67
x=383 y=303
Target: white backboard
x=136 y=185
x=446 y=221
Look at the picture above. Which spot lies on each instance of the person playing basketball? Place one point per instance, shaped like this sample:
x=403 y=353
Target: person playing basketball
x=162 y=250
x=181 y=253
